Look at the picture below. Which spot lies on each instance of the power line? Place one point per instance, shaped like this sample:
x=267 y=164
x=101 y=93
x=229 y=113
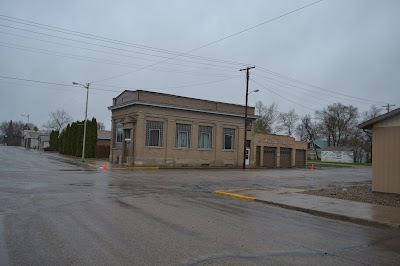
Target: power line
x=213 y=42
x=103 y=61
x=123 y=55
x=281 y=95
x=310 y=90
x=169 y=87
x=108 y=90
x=310 y=100
x=105 y=39
x=100 y=45
x=316 y=87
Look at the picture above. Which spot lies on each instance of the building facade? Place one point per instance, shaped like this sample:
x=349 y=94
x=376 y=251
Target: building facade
x=385 y=151
x=155 y=129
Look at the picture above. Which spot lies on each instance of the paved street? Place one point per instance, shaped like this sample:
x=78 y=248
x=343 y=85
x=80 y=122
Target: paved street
x=54 y=212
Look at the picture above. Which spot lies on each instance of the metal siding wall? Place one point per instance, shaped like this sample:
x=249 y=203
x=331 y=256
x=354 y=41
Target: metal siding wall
x=386 y=159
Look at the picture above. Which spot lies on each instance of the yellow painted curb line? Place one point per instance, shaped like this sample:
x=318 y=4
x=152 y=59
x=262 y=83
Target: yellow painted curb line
x=220 y=192
x=94 y=166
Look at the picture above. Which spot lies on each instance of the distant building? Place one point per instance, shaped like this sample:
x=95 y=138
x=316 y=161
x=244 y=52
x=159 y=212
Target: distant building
x=385 y=151
x=30 y=138
x=156 y=129
x=102 y=149
x=43 y=141
x=314 y=148
x=340 y=155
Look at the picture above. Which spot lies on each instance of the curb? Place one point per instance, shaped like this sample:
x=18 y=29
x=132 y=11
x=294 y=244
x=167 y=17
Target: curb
x=125 y=168
x=233 y=195
x=311 y=211
x=330 y=215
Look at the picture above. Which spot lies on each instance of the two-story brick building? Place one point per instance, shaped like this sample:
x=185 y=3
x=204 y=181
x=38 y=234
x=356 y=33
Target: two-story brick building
x=156 y=129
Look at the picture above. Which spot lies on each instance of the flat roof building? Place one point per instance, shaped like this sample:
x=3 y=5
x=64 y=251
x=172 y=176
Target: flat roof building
x=157 y=129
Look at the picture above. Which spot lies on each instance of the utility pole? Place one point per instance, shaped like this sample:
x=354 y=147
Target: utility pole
x=84 y=127
x=245 y=114
x=388 y=107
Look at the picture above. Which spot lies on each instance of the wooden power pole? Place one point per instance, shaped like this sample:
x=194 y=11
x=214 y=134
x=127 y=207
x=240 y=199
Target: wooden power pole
x=245 y=114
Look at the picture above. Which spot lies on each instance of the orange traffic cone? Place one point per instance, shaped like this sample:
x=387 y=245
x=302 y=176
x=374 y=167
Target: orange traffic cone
x=105 y=166
x=312 y=166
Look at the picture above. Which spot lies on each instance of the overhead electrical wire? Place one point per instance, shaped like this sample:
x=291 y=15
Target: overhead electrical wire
x=310 y=90
x=108 y=47
x=213 y=42
x=109 y=62
x=109 y=90
x=262 y=86
x=186 y=54
x=114 y=41
x=124 y=55
x=294 y=95
x=314 y=86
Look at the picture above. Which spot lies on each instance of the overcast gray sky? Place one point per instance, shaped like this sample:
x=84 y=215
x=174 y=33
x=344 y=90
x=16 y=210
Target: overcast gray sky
x=350 y=47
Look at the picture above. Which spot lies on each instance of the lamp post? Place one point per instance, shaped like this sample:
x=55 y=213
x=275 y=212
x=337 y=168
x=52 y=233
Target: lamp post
x=28 y=120
x=23 y=137
x=245 y=128
x=84 y=127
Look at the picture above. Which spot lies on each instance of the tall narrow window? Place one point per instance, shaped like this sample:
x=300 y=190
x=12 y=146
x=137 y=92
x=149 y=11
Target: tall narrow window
x=205 y=137
x=118 y=133
x=183 y=135
x=154 y=133
x=228 y=139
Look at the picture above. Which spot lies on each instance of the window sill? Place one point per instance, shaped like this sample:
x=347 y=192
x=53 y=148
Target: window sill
x=228 y=150
x=205 y=149
x=154 y=147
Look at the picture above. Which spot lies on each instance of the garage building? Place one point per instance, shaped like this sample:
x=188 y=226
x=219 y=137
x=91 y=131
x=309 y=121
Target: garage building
x=385 y=151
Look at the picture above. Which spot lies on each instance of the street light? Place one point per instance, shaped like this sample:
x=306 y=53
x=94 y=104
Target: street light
x=84 y=127
x=28 y=120
x=257 y=90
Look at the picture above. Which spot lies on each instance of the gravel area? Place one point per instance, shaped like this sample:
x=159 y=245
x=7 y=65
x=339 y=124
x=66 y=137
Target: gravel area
x=358 y=193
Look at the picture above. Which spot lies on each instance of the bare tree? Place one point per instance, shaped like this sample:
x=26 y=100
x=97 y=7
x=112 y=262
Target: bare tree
x=371 y=113
x=337 y=121
x=366 y=135
x=287 y=122
x=12 y=128
x=4 y=127
x=58 y=120
x=100 y=126
x=268 y=115
x=309 y=131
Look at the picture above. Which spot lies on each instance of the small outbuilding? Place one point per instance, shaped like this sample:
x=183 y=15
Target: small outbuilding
x=385 y=151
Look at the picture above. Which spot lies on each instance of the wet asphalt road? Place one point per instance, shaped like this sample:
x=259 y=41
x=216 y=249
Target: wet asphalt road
x=53 y=212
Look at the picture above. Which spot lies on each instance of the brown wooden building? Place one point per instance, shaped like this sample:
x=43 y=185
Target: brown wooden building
x=385 y=151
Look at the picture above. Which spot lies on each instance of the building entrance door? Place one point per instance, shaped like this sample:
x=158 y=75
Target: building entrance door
x=127 y=145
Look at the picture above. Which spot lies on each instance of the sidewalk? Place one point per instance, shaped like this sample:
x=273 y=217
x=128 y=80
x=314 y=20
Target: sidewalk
x=95 y=163
x=357 y=212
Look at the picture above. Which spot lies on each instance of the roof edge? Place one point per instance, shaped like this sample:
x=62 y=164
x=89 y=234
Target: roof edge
x=370 y=123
